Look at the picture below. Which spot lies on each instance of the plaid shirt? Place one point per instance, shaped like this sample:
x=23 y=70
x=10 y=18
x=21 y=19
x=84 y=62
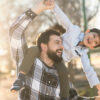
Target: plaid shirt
x=42 y=83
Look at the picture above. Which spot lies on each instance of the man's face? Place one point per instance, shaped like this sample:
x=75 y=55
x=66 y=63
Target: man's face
x=55 y=48
x=91 y=40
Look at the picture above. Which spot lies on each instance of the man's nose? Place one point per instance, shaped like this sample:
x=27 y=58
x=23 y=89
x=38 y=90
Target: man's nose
x=61 y=46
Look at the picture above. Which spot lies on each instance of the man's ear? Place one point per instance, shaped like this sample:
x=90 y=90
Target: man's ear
x=43 y=47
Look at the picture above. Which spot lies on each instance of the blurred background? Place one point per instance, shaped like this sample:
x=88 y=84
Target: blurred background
x=84 y=13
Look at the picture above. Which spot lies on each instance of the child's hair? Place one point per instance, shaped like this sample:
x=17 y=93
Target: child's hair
x=96 y=31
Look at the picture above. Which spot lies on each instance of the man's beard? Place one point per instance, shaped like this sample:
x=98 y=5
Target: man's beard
x=53 y=56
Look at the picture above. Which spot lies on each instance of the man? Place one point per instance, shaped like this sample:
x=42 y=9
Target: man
x=45 y=81
x=17 y=31
x=20 y=51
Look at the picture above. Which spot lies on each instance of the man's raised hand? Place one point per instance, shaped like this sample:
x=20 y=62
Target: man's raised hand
x=49 y=4
x=43 y=5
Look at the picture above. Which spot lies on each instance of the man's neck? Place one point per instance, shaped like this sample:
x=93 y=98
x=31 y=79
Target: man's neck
x=46 y=60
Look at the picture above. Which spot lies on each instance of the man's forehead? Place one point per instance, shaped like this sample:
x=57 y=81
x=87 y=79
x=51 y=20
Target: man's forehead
x=55 y=37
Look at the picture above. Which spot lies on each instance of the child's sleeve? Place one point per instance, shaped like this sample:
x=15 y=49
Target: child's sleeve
x=89 y=71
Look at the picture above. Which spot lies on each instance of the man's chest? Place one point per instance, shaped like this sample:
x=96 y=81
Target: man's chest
x=44 y=81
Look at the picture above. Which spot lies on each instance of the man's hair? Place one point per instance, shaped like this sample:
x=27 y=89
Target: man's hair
x=45 y=36
x=96 y=31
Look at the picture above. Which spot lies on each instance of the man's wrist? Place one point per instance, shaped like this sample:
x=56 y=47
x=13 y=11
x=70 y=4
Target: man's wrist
x=30 y=14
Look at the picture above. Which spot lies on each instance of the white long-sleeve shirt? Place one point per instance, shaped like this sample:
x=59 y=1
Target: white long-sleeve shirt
x=71 y=38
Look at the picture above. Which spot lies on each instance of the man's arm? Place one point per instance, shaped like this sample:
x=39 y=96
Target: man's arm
x=17 y=39
x=17 y=30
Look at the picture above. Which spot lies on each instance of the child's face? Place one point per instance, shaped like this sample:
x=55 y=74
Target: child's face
x=91 y=40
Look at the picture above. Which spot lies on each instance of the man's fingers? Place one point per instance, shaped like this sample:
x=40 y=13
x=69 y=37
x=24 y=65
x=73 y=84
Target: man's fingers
x=48 y=2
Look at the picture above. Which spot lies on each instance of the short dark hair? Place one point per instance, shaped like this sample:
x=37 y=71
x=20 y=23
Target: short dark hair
x=45 y=36
x=96 y=31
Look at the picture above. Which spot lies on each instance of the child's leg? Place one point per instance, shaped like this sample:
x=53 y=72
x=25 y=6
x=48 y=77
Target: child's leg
x=25 y=67
x=29 y=58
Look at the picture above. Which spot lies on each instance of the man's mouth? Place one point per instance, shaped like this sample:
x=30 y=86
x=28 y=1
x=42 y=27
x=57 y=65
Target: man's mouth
x=59 y=51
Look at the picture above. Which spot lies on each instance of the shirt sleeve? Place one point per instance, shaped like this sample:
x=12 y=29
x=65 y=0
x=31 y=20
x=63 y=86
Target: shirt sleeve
x=62 y=18
x=72 y=31
x=17 y=36
x=89 y=71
